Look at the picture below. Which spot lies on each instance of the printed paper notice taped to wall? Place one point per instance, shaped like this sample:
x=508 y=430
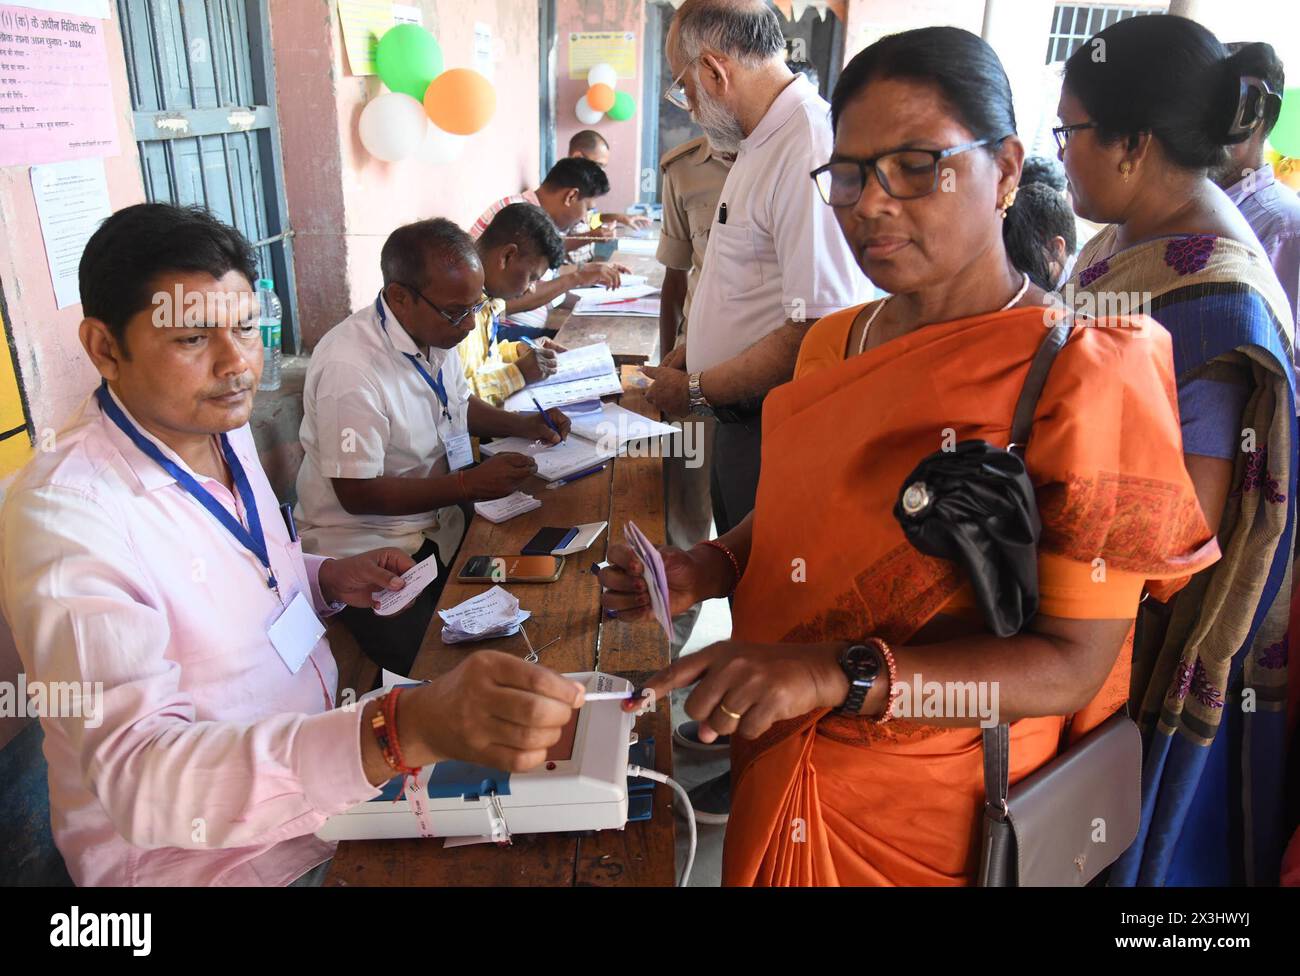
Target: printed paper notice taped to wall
x=55 y=99
x=15 y=426
x=365 y=22
x=590 y=48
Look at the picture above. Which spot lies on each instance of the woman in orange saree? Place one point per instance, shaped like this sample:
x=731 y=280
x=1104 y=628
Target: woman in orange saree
x=821 y=797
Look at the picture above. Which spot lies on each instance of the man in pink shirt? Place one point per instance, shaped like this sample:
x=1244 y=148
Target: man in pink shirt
x=146 y=562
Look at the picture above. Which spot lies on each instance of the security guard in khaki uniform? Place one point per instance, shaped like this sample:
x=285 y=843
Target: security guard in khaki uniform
x=693 y=177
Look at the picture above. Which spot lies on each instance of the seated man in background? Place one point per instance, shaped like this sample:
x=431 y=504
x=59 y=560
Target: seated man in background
x=590 y=144
x=386 y=427
x=566 y=194
x=146 y=565
x=517 y=249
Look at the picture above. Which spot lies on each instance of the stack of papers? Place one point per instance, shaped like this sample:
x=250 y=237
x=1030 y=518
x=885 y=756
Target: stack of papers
x=586 y=373
x=504 y=509
x=648 y=245
x=615 y=427
x=652 y=571
x=606 y=296
x=494 y=613
x=642 y=305
x=569 y=457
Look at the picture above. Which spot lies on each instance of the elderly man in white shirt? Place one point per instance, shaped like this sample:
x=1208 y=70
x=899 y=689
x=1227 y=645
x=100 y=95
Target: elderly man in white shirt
x=147 y=567
x=776 y=260
x=387 y=422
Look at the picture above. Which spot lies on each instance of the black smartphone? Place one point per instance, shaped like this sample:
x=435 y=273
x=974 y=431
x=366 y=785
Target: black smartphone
x=547 y=540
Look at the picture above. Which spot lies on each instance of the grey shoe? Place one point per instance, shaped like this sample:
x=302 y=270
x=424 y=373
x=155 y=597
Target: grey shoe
x=712 y=800
x=687 y=735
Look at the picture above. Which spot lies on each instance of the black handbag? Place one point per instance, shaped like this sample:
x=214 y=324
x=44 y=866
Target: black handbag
x=975 y=506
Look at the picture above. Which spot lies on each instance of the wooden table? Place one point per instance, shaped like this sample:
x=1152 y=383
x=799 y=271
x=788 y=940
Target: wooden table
x=632 y=339
x=642 y=853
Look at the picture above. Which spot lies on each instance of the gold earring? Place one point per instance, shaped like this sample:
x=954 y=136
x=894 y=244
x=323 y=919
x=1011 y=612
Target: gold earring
x=1125 y=168
x=1008 y=202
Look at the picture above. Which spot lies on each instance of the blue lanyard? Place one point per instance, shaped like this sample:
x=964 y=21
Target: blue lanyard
x=251 y=538
x=437 y=385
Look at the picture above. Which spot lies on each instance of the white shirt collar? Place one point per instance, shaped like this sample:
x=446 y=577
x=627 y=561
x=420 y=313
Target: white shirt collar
x=792 y=96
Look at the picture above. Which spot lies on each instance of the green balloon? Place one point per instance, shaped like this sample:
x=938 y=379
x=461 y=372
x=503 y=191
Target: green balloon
x=624 y=107
x=1285 y=136
x=407 y=59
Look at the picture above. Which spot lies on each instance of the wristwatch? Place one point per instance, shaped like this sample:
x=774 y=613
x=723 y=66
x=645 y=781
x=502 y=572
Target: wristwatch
x=699 y=404
x=862 y=664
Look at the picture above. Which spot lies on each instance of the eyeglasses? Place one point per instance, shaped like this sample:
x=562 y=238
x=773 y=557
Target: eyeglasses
x=905 y=174
x=676 y=92
x=1062 y=133
x=453 y=319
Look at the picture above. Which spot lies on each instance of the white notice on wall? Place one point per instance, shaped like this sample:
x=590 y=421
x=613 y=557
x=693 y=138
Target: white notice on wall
x=78 y=8
x=71 y=202
x=404 y=13
x=483 y=62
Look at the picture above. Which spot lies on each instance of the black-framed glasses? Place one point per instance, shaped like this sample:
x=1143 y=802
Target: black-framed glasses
x=905 y=174
x=1062 y=133
x=453 y=319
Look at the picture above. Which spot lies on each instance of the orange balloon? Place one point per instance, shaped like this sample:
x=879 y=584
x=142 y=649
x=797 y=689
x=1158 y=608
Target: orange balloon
x=460 y=101
x=600 y=98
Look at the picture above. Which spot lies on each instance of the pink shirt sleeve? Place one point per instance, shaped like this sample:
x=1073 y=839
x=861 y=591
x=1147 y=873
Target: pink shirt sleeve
x=92 y=612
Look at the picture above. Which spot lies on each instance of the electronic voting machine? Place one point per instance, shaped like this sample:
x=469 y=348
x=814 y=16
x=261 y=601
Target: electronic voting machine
x=582 y=785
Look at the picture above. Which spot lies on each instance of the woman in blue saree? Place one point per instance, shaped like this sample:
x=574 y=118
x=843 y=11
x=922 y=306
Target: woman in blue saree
x=1147 y=108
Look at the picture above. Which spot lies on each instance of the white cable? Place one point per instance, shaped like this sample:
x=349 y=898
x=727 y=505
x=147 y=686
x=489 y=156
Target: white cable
x=659 y=777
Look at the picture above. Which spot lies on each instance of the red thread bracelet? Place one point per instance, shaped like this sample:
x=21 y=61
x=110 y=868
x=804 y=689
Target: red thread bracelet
x=731 y=556
x=385 y=726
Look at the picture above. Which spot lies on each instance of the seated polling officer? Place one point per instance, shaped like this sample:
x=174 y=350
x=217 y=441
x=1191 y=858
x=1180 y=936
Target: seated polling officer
x=145 y=562
x=517 y=249
x=567 y=194
x=387 y=420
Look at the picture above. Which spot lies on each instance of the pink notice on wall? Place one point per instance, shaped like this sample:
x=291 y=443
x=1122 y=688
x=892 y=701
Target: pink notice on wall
x=56 y=102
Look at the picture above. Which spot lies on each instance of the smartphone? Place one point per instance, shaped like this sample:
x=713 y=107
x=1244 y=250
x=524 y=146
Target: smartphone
x=547 y=540
x=511 y=569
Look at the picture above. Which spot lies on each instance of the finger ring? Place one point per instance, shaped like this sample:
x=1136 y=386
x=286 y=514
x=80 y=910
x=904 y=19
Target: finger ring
x=735 y=716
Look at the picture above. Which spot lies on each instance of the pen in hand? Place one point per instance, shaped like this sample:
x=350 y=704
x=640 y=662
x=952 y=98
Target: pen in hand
x=546 y=418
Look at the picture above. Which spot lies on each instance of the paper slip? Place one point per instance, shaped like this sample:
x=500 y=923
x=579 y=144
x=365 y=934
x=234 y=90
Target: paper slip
x=604 y=296
x=417 y=578
x=583 y=363
x=554 y=461
x=637 y=245
x=563 y=394
x=656 y=579
x=646 y=306
x=494 y=613
x=504 y=509
x=614 y=427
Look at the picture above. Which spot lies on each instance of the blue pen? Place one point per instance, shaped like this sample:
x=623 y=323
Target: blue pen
x=549 y=423
x=575 y=477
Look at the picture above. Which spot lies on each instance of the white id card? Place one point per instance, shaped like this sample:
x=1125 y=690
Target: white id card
x=460 y=452
x=295 y=632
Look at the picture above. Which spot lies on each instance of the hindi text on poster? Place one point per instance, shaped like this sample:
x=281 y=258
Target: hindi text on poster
x=56 y=102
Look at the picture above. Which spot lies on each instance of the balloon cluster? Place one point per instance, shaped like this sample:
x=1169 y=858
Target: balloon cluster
x=602 y=97
x=427 y=113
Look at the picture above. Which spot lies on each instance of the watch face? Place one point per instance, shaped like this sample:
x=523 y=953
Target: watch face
x=862 y=659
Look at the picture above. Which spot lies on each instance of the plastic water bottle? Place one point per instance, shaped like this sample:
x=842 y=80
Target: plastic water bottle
x=270 y=314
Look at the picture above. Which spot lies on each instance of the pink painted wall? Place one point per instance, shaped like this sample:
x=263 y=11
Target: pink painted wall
x=343 y=202
x=624 y=138
x=53 y=368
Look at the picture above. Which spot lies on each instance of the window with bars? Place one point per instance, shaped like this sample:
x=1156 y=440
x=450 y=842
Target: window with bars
x=1074 y=23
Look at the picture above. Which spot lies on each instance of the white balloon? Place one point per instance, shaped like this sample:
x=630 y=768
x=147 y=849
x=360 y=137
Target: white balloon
x=393 y=126
x=586 y=114
x=602 y=74
x=440 y=147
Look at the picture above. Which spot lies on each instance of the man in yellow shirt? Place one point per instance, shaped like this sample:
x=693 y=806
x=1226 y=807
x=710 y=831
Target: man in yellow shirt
x=518 y=247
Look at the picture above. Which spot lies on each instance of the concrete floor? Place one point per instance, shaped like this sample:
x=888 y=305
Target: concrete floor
x=690 y=769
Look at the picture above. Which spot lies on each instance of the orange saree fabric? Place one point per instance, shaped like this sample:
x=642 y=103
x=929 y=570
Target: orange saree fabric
x=824 y=800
